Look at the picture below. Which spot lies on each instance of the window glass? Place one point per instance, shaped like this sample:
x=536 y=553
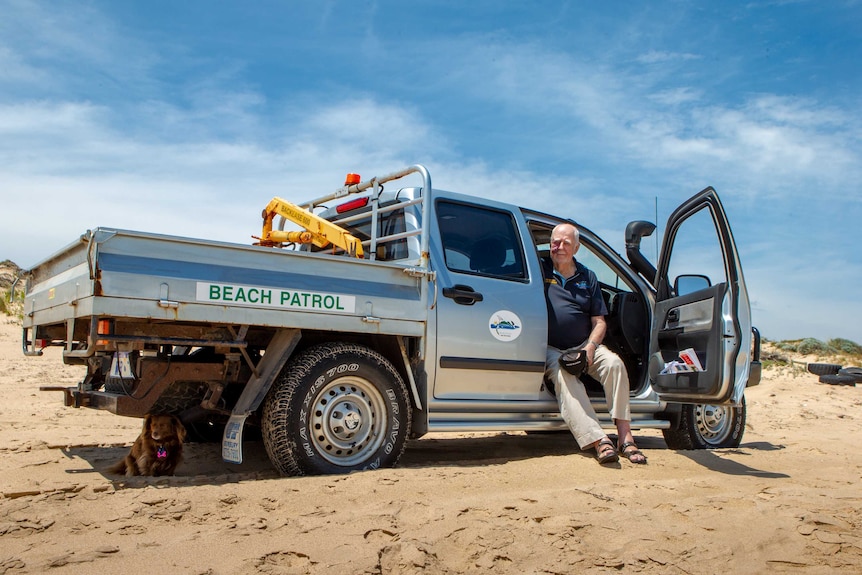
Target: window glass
x=603 y=271
x=388 y=223
x=478 y=240
x=697 y=250
x=586 y=255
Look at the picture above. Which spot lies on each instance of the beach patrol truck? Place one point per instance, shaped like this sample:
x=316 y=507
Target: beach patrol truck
x=370 y=316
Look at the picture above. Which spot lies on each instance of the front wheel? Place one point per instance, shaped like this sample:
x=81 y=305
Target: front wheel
x=336 y=408
x=707 y=427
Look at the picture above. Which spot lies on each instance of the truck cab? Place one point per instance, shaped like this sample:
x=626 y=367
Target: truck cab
x=488 y=330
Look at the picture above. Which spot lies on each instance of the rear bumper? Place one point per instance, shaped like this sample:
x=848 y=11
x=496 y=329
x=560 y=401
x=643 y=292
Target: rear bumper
x=119 y=404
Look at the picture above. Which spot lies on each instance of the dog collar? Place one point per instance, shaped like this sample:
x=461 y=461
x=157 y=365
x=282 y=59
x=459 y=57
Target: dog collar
x=161 y=452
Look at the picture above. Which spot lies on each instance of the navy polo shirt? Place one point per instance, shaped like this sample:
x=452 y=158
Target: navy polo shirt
x=572 y=302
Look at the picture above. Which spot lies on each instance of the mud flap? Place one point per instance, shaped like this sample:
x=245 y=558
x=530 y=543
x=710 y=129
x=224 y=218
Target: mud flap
x=231 y=443
x=277 y=353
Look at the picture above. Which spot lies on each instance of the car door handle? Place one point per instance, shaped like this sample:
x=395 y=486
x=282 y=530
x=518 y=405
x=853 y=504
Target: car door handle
x=463 y=295
x=673 y=316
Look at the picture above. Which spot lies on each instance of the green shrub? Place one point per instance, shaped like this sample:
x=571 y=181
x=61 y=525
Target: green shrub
x=11 y=308
x=788 y=345
x=845 y=346
x=811 y=345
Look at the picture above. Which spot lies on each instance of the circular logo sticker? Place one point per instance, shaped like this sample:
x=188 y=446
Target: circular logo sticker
x=505 y=325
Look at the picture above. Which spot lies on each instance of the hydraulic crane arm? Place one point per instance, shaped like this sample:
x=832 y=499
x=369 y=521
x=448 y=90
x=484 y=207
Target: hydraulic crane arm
x=319 y=231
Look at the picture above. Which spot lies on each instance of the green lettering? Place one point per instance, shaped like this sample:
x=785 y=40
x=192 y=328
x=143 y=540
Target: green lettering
x=338 y=303
x=328 y=302
x=253 y=295
x=215 y=292
x=295 y=300
x=266 y=296
x=240 y=295
x=285 y=297
x=227 y=293
x=315 y=300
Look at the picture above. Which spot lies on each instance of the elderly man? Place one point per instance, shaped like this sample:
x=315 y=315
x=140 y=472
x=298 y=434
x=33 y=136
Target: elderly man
x=576 y=314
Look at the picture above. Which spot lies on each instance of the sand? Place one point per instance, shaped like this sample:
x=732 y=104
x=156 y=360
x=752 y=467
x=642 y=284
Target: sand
x=787 y=500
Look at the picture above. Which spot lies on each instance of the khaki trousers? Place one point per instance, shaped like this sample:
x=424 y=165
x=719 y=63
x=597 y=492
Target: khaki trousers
x=575 y=407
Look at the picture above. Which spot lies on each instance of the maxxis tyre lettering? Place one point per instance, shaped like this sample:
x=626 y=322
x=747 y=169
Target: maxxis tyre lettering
x=336 y=408
x=707 y=427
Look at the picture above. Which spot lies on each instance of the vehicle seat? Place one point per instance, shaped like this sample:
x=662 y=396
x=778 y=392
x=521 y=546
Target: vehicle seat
x=628 y=323
x=488 y=256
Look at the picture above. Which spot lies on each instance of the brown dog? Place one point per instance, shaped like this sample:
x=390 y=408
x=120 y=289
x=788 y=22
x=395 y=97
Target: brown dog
x=157 y=450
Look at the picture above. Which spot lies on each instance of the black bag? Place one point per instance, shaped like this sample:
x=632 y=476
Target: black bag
x=574 y=359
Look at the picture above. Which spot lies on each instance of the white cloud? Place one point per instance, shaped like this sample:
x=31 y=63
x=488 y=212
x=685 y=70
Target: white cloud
x=81 y=171
x=14 y=70
x=659 y=57
x=768 y=142
x=677 y=96
x=59 y=48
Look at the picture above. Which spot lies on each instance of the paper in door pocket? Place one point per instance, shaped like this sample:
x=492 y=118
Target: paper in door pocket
x=690 y=358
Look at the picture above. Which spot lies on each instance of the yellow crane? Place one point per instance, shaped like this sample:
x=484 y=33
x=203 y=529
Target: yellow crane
x=318 y=231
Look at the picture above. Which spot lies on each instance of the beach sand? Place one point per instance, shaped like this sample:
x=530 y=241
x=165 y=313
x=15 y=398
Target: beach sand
x=787 y=500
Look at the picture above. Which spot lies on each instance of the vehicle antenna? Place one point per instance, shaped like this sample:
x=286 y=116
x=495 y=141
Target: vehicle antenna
x=656 y=230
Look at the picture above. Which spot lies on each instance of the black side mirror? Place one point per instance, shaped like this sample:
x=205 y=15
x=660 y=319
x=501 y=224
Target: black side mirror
x=686 y=284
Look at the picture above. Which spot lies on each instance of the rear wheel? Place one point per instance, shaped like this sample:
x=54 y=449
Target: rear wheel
x=336 y=408
x=707 y=427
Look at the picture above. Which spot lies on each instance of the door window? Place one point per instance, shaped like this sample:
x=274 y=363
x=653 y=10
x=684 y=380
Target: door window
x=609 y=276
x=480 y=241
x=605 y=274
x=697 y=252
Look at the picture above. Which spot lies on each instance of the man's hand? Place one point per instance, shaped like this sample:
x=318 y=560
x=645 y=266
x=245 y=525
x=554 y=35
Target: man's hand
x=590 y=348
x=596 y=336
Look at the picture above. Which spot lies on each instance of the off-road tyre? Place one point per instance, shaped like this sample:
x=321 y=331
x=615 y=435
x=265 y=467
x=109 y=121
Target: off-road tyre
x=823 y=368
x=336 y=408
x=707 y=427
x=838 y=379
x=855 y=372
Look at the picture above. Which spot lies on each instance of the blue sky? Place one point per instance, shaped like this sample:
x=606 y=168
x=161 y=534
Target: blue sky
x=187 y=117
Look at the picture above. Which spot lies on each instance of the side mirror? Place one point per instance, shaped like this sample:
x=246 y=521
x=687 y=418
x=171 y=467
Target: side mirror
x=686 y=284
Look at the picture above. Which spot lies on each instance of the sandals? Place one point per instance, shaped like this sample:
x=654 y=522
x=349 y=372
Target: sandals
x=606 y=452
x=632 y=453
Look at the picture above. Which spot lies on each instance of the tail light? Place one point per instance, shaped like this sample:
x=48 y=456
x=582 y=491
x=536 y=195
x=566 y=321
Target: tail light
x=104 y=327
x=351 y=205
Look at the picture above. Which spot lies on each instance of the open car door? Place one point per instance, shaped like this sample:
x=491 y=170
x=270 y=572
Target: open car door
x=701 y=305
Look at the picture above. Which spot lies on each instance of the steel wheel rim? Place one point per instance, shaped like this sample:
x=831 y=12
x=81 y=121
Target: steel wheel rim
x=713 y=422
x=346 y=421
